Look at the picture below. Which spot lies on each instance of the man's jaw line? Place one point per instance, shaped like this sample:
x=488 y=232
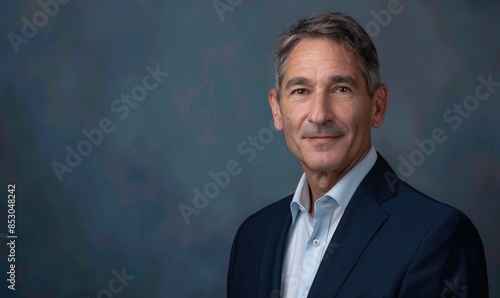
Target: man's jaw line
x=322 y=181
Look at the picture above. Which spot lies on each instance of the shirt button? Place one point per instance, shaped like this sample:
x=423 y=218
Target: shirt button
x=316 y=242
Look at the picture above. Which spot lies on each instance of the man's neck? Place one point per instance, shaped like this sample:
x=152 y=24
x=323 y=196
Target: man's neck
x=321 y=182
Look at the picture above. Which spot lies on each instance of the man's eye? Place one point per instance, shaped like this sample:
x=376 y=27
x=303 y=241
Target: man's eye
x=342 y=89
x=300 y=91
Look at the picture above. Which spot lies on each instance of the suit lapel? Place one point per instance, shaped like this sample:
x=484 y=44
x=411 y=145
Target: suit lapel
x=274 y=252
x=360 y=222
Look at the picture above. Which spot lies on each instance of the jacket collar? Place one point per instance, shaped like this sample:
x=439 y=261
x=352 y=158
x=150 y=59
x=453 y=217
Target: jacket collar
x=360 y=222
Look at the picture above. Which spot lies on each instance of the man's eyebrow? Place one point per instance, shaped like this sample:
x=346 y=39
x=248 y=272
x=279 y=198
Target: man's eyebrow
x=296 y=81
x=335 y=79
x=343 y=79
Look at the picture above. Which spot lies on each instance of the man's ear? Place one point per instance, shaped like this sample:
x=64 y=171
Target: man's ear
x=275 y=108
x=379 y=105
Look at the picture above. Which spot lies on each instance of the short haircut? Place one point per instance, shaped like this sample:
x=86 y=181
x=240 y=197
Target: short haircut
x=337 y=27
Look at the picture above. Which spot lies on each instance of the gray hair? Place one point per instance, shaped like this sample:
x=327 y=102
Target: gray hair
x=337 y=27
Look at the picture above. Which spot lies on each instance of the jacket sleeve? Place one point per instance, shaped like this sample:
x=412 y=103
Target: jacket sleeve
x=449 y=261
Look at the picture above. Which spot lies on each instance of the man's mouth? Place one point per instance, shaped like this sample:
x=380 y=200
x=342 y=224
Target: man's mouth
x=322 y=138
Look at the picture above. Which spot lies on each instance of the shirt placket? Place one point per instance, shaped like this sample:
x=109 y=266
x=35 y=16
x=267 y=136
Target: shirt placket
x=316 y=243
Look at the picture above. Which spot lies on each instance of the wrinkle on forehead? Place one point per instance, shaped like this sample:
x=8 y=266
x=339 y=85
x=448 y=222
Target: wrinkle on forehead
x=321 y=58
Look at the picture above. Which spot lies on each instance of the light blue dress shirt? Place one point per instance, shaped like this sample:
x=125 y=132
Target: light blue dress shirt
x=309 y=237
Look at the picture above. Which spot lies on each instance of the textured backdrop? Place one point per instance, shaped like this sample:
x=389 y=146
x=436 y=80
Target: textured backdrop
x=120 y=119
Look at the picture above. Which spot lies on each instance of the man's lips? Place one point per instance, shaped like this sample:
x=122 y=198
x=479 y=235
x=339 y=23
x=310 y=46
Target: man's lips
x=317 y=140
x=322 y=137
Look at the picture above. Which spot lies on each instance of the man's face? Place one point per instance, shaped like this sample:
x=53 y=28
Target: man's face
x=324 y=109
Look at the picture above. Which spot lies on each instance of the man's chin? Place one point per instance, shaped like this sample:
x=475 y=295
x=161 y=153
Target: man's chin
x=321 y=165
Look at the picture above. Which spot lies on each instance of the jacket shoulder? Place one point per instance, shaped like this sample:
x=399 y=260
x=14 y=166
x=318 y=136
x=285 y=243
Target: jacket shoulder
x=269 y=214
x=412 y=203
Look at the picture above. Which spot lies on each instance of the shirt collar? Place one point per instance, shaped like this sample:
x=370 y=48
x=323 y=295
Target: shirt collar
x=341 y=192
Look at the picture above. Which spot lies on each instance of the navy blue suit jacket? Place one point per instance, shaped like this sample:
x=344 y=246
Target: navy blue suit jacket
x=392 y=241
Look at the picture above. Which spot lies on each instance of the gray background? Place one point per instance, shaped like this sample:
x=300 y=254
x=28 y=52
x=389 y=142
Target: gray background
x=119 y=207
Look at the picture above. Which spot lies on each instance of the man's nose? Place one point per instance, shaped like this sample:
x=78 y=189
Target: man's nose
x=320 y=110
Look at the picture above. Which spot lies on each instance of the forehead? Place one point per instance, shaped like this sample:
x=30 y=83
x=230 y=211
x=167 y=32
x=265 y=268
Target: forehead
x=320 y=55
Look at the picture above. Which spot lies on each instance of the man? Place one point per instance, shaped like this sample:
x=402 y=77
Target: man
x=352 y=228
